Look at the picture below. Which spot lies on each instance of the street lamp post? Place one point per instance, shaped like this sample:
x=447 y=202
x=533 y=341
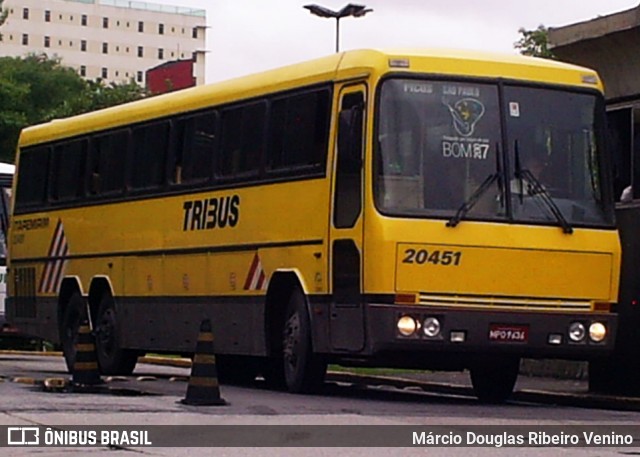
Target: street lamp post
x=346 y=11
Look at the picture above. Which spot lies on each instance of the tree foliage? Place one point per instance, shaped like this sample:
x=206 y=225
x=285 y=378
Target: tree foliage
x=36 y=89
x=534 y=42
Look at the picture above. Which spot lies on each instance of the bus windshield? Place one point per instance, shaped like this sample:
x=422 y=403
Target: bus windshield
x=481 y=151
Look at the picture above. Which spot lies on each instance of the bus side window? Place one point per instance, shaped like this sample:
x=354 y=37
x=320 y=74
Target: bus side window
x=108 y=162
x=149 y=152
x=69 y=160
x=299 y=132
x=242 y=140
x=193 y=148
x=32 y=180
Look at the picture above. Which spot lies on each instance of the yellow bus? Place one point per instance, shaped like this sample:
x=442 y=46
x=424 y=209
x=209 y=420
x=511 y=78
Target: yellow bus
x=425 y=209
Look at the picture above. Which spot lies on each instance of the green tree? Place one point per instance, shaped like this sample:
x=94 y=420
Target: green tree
x=534 y=42
x=31 y=88
x=98 y=95
x=36 y=89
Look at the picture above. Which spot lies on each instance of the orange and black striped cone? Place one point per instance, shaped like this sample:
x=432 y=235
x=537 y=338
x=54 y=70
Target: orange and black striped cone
x=85 y=367
x=203 y=388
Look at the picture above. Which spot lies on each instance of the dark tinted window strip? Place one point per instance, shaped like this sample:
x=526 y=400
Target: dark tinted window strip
x=104 y=179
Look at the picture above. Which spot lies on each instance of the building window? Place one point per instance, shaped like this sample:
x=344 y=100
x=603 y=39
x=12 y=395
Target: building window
x=25 y=14
x=140 y=26
x=47 y=16
x=140 y=51
x=104 y=73
x=161 y=53
x=194 y=32
x=83 y=20
x=105 y=22
x=105 y=48
x=25 y=39
x=83 y=45
x=47 y=42
x=83 y=70
x=139 y=77
x=161 y=29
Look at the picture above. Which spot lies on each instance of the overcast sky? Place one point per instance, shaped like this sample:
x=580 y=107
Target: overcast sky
x=246 y=36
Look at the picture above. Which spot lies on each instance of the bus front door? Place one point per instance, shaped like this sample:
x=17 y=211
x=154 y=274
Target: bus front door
x=347 y=327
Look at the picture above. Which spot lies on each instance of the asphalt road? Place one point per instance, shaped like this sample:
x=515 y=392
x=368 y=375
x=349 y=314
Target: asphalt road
x=152 y=397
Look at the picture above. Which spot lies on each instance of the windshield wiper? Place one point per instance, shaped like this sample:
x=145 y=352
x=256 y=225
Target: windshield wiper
x=468 y=204
x=537 y=189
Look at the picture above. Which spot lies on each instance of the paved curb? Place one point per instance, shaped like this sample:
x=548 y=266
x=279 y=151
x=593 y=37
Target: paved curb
x=38 y=353
x=166 y=361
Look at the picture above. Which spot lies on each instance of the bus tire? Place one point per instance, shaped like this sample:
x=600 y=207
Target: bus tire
x=494 y=378
x=74 y=313
x=303 y=370
x=112 y=359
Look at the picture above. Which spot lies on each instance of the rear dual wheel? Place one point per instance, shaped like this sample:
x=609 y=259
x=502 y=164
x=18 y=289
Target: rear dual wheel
x=112 y=358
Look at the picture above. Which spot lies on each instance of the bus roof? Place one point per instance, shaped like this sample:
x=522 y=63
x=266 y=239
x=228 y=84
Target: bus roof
x=340 y=66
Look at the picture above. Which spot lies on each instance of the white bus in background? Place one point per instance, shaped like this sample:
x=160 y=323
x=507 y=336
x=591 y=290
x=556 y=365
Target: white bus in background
x=6 y=178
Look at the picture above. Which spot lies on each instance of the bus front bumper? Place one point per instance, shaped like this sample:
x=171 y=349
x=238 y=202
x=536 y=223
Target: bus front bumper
x=399 y=328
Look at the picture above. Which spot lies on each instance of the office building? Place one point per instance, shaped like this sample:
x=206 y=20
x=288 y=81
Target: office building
x=116 y=40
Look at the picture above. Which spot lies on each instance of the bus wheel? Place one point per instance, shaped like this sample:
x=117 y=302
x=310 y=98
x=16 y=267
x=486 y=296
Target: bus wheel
x=493 y=378
x=71 y=320
x=304 y=371
x=112 y=359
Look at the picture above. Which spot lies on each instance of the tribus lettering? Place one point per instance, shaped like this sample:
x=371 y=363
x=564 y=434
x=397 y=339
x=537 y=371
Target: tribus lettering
x=211 y=213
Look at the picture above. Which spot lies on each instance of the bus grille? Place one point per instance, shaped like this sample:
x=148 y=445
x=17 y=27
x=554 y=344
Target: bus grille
x=24 y=287
x=507 y=303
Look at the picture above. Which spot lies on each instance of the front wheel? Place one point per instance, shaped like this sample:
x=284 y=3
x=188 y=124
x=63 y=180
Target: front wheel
x=74 y=313
x=303 y=370
x=112 y=359
x=493 y=378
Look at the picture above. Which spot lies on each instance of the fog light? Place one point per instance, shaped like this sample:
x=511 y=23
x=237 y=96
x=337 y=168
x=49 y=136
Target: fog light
x=597 y=332
x=407 y=325
x=458 y=337
x=577 y=332
x=555 y=339
x=431 y=327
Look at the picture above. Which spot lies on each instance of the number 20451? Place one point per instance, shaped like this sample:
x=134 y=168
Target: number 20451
x=422 y=256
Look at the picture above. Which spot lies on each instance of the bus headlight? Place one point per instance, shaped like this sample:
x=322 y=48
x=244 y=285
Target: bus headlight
x=431 y=327
x=577 y=332
x=597 y=332
x=407 y=326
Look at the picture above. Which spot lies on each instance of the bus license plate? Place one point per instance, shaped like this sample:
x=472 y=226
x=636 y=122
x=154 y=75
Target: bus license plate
x=508 y=333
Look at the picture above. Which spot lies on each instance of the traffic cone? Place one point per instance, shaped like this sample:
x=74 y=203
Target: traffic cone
x=203 y=388
x=85 y=368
